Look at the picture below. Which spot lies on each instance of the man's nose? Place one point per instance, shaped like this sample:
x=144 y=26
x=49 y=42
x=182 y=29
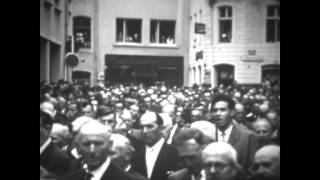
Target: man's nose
x=92 y=148
x=261 y=169
x=144 y=129
x=212 y=170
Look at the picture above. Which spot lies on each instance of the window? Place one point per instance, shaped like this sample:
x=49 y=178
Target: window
x=162 y=32
x=128 y=30
x=225 y=24
x=273 y=23
x=82 y=31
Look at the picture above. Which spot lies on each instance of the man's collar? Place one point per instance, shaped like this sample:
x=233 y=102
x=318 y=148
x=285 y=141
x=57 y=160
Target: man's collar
x=45 y=145
x=128 y=168
x=228 y=129
x=98 y=173
x=156 y=145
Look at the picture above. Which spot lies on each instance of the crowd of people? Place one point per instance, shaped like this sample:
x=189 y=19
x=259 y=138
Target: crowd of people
x=159 y=132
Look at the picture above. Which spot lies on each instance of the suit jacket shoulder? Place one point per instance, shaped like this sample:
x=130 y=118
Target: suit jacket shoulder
x=166 y=161
x=55 y=160
x=245 y=143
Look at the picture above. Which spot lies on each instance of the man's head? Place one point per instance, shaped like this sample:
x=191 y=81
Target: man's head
x=189 y=143
x=134 y=110
x=151 y=125
x=48 y=107
x=267 y=163
x=72 y=110
x=222 y=110
x=93 y=143
x=207 y=128
x=274 y=119
x=196 y=115
x=46 y=122
x=121 y=150
x=262 y=127
x=60 y=135
x=106 y=116
x=240 y=113
x=126 y=117
x=220 y=161
x=87 y=109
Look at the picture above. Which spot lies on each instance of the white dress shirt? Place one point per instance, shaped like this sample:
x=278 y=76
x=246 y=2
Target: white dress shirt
x=45 y=145
x=151 y=155
x=227 y=132
x=173 y=130
x=128 y=168
x=97 y=173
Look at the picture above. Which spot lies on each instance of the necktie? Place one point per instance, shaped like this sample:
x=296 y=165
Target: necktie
x=223 y=134
x=88 y=176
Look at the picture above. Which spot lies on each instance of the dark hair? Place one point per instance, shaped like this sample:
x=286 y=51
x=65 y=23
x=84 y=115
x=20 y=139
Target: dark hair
x=189 y=133
x=159 y=119
x=104 y=110
x=223 y=97
x=45 y=119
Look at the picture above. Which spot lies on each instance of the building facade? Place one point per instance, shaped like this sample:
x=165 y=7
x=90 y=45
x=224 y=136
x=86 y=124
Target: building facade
x=136 y=41
x=234 y=40
x=53 y=24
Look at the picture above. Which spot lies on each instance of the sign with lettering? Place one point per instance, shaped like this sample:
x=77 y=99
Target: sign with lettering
x=200 y=28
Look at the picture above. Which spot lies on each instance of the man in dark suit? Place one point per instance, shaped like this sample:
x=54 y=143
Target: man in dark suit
x=244 y=141
x=189 y=143
x=52 y=159
x=93 y=143
x=121 y=154
x=156 y=159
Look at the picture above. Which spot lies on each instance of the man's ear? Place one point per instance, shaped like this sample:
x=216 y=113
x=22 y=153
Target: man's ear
x=232 y=112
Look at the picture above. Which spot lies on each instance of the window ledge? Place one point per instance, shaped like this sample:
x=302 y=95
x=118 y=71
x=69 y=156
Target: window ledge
x=163 y=45
x=153 y=45
x=85 y=50
x=128 y=44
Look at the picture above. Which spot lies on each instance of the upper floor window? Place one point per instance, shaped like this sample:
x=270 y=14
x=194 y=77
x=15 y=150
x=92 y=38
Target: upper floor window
x=162 y=32
x=128 y=30
x=225 y=24
x=82 y=31
x=273 y=23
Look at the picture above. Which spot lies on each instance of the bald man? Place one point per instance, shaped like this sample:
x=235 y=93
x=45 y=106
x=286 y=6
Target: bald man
x=262 y=127
x=93 y=144
x=121 y=154
x=220 y=162
x=267 y=163
x=156 y=159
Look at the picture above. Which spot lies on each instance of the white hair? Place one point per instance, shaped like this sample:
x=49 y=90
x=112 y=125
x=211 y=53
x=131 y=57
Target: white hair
x=79 y=122
x=59 y=130
x=220 y=149
x=120 y=140
x=206 y=127
x=93 y=127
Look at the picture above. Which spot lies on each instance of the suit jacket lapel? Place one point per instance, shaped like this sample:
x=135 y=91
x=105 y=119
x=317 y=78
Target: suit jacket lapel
x=143 y=159
x=159 y=160
x=234 y=136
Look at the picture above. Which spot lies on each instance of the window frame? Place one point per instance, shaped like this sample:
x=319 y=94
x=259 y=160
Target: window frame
x=87 y=28
x=276 y=19
x=226 y=18
x=124 y=30
x=158 y=32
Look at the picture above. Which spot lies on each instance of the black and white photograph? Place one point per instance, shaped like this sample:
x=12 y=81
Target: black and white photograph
x=159 y=89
